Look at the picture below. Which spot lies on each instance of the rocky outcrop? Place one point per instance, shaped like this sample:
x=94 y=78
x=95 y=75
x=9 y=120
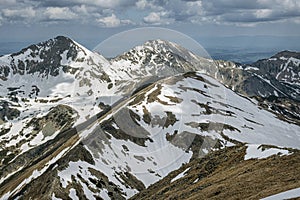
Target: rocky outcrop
x=44 y=58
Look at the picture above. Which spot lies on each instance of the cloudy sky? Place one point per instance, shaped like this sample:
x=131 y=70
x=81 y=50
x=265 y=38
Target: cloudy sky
x=92 y=19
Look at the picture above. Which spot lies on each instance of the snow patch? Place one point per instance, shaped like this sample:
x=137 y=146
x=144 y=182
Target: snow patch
x=54 y=197
x=251 y=68
x=182 y=174
x=256 y=151
x=290 y=194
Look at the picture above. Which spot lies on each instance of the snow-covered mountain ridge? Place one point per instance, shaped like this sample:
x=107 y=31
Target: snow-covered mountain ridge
x=97 y=128
x=137 y=144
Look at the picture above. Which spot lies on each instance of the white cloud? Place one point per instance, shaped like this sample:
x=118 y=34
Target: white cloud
x=194 y=8
x=297 y=20
x=250 y=12
x=112 y=4
x=144 y=4
x=158 y=18
x=8 y=2
x=113 y=21
x=281 y=7
x=82 y=9
x=19 y=13
x=109 y=13
x=152 y=18
x=102 y=3
x=263 y=13
x=166 y=12
x=58 y=13
x=283 y=4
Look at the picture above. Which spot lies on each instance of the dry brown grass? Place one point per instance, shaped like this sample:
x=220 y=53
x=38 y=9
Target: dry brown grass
x=225 y=174
x=17 y=180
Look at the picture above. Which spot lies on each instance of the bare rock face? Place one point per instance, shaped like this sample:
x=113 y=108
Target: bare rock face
x=7 y=112
x=284 y=66
x=44 y=58
x=275 y=77
x=282 y=71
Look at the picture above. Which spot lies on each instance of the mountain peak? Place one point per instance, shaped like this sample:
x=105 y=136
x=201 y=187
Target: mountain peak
x=57 y=42
x=44 y=58
x=158 y=57
x=164 y=45
x=287 y=54
x=162 y=58
x=159 y=48
x=159 y=41
x=63 y=38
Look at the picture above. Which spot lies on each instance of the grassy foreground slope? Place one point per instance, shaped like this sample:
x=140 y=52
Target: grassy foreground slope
x=225 y=174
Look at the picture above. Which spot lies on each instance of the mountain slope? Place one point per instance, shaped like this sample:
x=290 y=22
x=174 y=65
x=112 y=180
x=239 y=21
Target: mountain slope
x=277 y=76
x=46 y=89
x=225 y=174
x=120 y=156
x=57 y=72
x=281 y=72
x=154 y=58
x=161 y=58
x=75 y=124
x=284 y=66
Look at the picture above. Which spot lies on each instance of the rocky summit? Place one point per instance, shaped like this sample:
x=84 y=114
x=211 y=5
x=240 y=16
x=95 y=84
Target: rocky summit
x=156 y=122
